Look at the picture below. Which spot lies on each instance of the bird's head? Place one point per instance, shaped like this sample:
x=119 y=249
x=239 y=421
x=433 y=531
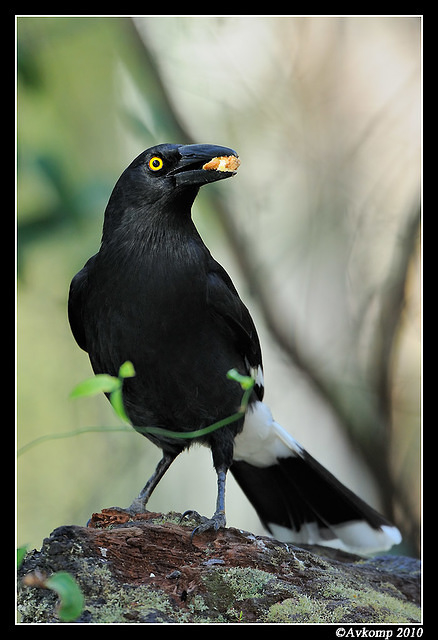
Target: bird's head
x=163 y=181
x=166 y=170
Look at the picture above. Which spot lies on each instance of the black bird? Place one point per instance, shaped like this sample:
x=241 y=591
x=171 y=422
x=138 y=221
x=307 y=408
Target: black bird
x=154 y=295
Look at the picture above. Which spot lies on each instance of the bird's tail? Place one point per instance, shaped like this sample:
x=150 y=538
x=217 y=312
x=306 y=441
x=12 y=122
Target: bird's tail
x=296 y=498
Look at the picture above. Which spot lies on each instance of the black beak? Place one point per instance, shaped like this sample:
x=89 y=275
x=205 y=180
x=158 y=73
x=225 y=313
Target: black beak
x=194 y=157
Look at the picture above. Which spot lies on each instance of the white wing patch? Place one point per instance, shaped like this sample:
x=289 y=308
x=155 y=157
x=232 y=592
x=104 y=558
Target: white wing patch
x=257 y=375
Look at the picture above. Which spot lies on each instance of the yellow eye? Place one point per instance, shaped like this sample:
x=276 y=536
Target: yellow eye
x=155 y=163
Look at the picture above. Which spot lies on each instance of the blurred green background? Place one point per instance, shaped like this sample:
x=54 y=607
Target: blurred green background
x=319 y=230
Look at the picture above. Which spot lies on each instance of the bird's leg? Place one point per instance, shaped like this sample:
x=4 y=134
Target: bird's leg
x=220 y=500
x=139 y=504
x=217 y=521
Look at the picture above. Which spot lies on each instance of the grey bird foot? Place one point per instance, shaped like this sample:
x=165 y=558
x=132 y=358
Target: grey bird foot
x=216 y=522
x=137 y=506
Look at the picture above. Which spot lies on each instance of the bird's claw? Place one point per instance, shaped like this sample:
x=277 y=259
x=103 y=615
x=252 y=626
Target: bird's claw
x=216 y=522
x=193 y=515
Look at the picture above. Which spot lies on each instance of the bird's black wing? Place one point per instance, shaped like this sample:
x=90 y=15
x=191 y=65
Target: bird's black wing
x=226 y=305
x=76 y=298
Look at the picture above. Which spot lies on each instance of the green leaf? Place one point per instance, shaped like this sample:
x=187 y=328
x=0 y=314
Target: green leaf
x=21 y=552
x=127 y=370
x=98 y=384
x=117 y=403
x=246 y=382
x=72 y=599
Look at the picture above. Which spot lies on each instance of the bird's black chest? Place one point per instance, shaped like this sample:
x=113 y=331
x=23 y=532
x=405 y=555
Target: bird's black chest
x=155 y=311
x=147 y=305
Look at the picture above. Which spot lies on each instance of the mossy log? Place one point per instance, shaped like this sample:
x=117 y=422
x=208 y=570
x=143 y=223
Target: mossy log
x=150 y=570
